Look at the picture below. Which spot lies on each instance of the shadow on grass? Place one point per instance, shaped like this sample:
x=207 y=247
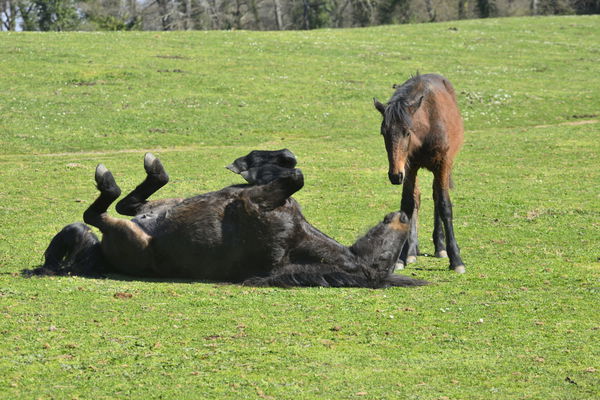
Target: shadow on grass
x=42 y=272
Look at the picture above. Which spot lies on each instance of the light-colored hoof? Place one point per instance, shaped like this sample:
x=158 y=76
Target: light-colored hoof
x=233 y=168
x=101 y=170
x=399 y=266
x=441 y=254
x=411 y=259
x=148 y=161
x=460 y=269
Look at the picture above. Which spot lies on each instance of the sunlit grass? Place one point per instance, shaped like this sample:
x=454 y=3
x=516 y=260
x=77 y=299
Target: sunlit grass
x=523 y=321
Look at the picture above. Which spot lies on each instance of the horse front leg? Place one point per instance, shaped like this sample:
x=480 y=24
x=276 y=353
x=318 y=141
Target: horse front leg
x=411 y=197
x=412 y=243
x=441 y=183
x=275 y=194
x=156 y=177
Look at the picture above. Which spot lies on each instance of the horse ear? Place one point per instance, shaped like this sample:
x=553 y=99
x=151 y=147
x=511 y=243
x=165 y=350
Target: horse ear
x=379 y=106
x=414 y=106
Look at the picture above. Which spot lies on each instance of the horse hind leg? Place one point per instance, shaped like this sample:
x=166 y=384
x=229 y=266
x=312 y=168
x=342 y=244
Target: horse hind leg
x=439 y=239
x=125 y=246
x=109 y=192
x=444 y=205
x=156 y=177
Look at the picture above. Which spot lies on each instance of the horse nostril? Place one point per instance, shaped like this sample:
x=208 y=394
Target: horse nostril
x=395 y=179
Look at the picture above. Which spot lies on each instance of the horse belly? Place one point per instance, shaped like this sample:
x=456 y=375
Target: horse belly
x=191 y=253
x=128 y=249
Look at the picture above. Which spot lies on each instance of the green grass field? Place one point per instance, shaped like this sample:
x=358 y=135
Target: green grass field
x=523 y=323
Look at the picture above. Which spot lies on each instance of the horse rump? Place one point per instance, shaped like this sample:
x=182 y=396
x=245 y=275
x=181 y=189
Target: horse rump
x=75 y=250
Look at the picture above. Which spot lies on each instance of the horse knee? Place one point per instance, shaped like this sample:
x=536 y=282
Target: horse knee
x=97 y=219
x=275 y=194
x=91 y=217
x=127 y=207
x=295 y=180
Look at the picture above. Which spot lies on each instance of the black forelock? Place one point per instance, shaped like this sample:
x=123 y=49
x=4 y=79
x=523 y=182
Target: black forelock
x=396 y=113
x=397 y=109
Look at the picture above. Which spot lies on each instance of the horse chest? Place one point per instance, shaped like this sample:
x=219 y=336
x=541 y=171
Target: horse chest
x=427 y=155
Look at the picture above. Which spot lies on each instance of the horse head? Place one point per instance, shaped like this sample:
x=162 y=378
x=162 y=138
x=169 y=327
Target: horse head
x=380 y=247
x=396 y=129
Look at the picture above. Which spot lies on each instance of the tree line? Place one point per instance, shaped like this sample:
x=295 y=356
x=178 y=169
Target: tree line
x=65 y=15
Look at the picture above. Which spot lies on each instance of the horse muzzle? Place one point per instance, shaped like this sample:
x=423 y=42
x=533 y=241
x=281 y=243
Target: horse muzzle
x=396 y=179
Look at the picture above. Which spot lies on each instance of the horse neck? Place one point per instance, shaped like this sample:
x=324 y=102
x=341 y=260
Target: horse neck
x=322 y=239
x=373 y=243
x=315 y=246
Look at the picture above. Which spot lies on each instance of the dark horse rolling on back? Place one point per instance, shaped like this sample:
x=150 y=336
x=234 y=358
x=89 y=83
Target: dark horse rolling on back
x=253 y=234
x=422 y=128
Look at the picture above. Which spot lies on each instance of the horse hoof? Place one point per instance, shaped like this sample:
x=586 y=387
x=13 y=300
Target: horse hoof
x=101 y=172
x=148 y=161
x=399 y=266
x=460 y=269
x=105 y=182
x=441 y=254
x=411 y=259
x=154 y=168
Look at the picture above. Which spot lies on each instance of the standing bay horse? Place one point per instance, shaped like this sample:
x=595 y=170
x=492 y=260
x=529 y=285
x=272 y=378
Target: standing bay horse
x=422 y=128
x=253 y=234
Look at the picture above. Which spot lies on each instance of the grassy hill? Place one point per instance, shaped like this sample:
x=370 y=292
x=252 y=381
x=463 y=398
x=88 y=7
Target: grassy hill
x=522 y=323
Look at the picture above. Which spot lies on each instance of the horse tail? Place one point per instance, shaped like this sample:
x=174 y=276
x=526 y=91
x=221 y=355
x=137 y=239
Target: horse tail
x=75 y=250
x=318 y=275
x=450 y=182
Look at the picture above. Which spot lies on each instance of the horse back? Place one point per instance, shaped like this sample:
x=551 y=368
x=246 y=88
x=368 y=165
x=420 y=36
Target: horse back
x=438 y=120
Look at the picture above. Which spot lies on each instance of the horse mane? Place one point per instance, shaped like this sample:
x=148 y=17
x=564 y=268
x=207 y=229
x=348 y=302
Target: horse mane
x=311 y=275
x=396 y=112
x=397 y=109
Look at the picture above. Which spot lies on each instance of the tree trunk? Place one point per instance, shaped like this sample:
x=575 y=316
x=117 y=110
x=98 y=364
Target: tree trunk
x=9 y=12
x=462 y=9
x=214 y=15
x=278 y=18
x=254 y=10
x=306 y=9
x=189 y=23
x=237 y=15
x=430 y=10
x=133 y=8
x=163 y=11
